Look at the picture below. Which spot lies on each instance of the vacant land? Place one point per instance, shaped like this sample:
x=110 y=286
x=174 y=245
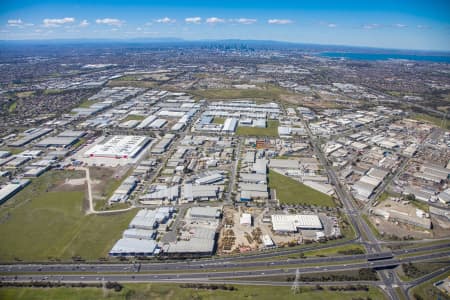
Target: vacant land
x=134 y=117
x=12 y=107
x=46 y=221
x=87 y=103
x=410 y=271
x=175 y=291
x=270 y=130
x=105 y=183
x=134 y=83
x=266 y=93
x=431 y=119
x=218 y=120
x=290 y=191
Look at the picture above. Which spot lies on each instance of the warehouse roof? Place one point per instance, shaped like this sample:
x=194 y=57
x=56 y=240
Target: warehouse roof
x=293 y=222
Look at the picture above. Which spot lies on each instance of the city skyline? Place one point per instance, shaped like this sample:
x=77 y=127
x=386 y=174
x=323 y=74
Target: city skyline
x=403 y=25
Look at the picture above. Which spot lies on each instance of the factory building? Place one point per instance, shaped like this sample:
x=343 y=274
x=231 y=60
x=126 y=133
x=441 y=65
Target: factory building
x=9 y=190
x=133 y=247
x=230 y=125
x=292 y=223
x=119 y=146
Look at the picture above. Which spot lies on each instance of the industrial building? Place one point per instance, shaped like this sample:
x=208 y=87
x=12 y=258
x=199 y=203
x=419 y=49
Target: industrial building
x=119 y=146
x=133 y=247
x=192 y=192
x=163 y=144
x=12 y=188
x=122 y=193
x=292 y=223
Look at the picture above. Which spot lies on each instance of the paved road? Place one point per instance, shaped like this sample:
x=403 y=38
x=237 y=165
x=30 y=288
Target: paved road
x=362 y=229
x=283 y=270
x=217 y=264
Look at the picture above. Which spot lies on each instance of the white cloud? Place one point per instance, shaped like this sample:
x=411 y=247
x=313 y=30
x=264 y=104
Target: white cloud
x=193 y=20
x=399 y=25
x=166 y=20
x=332 y=25
x=245 y=21
x=421 y=26
x=84 y=23
x=138 y=28
x=110 y=22
x=280 y=21
x=371 y=26
x=16 y=23
x=57 y=22
x=214 y=20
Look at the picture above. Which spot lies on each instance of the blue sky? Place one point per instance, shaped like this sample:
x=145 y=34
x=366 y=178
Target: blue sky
x=390 y=24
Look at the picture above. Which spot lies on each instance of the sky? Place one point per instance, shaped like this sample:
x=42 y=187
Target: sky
x=399 y=24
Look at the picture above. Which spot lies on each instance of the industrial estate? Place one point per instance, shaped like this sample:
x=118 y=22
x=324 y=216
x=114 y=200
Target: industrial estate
x=264 y=167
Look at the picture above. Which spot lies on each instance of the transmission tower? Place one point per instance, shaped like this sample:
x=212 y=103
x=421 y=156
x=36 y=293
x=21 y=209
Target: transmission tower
x=295 y=285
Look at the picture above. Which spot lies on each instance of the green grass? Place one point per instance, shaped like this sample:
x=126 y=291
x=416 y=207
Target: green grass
x=426 y=290
x=372 y=227
x=270 y=130
x=12 y=107
x=134 y=117
x=290 y=191
x=430 y=119
x=332 y=251
x=109 y=187
x=87 y=103
x=157 y=291
x=217 y=120
x=335 y=251
x=53 y=91
x=421 y=205
x=421 y=269
x=13 y=150
x=268 y=93
x=40 y=225
x=133 y=83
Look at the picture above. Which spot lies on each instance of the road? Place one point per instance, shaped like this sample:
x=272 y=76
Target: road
x=362 y=229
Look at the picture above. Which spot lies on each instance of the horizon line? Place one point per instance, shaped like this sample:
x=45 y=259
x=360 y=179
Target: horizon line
x=181 y=40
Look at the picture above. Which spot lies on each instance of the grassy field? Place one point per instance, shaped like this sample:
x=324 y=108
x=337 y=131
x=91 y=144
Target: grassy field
x=46 y=221
x=409 y=272
x=267 y=93
x=430 y=119
x=270 y=130
x=134 y=83
x=426 y=290
x=218 y=120
x=87 y=103
x=134 y=117
x=158 y=291
x=12 y=107
x=108 y=185
x=333 y=251
x=290 y=191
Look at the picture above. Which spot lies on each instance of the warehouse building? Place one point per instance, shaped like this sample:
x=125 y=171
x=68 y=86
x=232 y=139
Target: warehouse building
x=141 y=234
x=119 y=146
x=133 y=247
x=200 y=192
x=124 y=190
x=163 y=144
x=205 y=212
x=30 y=136
x=292 y=223
x=230 y=125
x=12 y=188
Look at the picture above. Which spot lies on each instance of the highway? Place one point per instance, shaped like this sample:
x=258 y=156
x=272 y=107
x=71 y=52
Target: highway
x=289 y=269
x=362 y=229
